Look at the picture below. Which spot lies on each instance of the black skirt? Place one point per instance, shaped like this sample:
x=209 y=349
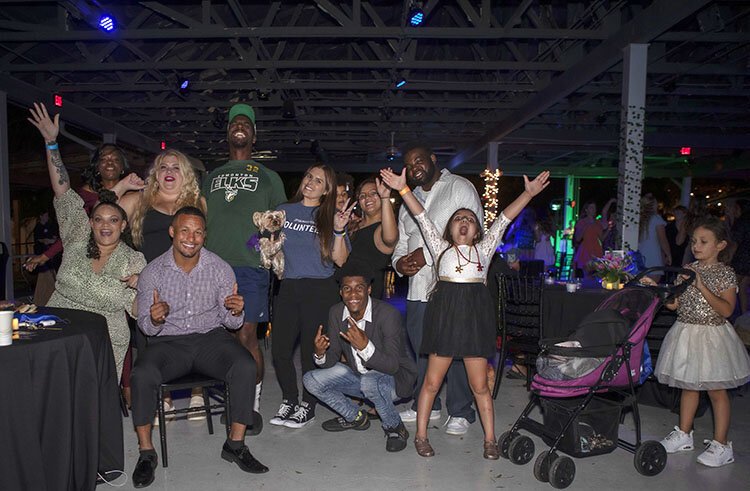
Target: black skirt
x=459 y=321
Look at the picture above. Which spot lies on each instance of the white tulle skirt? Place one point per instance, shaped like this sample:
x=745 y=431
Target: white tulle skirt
x=700 y=357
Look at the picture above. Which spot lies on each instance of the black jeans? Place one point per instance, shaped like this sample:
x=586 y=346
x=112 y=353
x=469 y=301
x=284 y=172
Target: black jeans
x=216 y=354
x=300 y=307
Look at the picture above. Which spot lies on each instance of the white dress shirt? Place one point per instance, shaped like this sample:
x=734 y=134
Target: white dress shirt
x=449 y=193
x=360 y=357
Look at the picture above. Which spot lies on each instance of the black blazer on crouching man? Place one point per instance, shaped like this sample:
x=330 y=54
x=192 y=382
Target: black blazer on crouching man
x=387 y=335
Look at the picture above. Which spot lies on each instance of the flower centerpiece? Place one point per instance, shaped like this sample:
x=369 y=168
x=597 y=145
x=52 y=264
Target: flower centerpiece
x=613 y=268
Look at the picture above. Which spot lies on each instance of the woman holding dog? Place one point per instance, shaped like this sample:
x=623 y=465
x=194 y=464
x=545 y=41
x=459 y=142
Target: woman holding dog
x=315 y=243
x=376 y=235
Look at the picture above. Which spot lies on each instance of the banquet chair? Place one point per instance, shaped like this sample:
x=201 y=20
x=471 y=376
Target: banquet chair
x=4 y=257
x=519 y=322
x=211 y=388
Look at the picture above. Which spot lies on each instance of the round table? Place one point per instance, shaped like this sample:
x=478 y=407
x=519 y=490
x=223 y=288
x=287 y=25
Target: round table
x=60 y=417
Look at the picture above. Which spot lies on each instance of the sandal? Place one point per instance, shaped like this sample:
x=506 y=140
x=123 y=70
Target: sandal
x=491 y=451
x=514 y=375
x=424 y=449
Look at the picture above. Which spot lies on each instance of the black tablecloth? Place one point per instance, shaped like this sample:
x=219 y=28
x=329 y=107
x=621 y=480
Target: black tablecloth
x=563 y=311
x=60 y=418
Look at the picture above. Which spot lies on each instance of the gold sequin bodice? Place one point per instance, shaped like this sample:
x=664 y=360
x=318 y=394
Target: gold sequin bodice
x=693 y=308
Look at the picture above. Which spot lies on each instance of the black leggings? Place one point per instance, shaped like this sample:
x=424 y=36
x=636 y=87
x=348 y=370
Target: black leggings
x=299 y=308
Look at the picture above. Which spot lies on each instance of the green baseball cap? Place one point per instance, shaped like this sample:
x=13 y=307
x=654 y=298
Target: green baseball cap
x=242 y=109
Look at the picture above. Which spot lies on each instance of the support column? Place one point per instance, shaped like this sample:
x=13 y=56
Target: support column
x=492 y=164
x=5 y=216
x=687 y=184
x=632 y=121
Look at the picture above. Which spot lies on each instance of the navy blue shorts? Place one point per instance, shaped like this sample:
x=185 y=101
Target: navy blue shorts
x=252 y=284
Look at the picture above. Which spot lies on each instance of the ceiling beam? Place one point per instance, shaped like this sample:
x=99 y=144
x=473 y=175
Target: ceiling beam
x=650 y=23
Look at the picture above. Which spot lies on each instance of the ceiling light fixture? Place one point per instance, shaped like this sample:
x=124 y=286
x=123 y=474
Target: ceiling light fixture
x=416 y=14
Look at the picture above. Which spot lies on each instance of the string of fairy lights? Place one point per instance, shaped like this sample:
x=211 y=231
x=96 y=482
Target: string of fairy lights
x=489 y=197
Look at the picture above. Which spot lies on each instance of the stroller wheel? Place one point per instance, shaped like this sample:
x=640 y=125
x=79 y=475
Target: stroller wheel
x=521 y=450
x=541 y=465
x=562 y=471
x=504 y=443
x=650 y=458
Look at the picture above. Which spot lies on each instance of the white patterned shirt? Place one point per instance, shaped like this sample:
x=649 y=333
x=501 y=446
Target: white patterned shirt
x=449 y=193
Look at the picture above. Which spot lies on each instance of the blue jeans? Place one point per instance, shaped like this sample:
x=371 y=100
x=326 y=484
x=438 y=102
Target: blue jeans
x=333 y=385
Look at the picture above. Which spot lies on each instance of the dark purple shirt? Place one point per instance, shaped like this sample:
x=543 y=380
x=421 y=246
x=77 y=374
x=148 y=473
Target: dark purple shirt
x=196 y=299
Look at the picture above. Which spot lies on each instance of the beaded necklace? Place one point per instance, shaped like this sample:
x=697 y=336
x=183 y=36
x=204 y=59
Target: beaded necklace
x=460 y=255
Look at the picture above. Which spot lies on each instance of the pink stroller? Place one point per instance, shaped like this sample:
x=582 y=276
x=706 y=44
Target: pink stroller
x=582 y=414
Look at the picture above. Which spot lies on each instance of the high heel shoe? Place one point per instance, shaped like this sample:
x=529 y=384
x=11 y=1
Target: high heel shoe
x=491 y=451
x=424 y=449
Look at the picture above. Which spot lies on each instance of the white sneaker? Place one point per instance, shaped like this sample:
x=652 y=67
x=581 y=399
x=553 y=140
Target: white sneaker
x=410 y=415
x=716 y=454
x=678 y=441
x=197 y=415
x=456 y=426
x=168 y=406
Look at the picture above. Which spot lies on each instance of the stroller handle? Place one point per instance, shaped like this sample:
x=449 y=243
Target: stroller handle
x=665 y=292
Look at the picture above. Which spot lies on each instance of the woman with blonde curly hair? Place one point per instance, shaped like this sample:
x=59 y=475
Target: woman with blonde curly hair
x=652 y=236
x=171 y=184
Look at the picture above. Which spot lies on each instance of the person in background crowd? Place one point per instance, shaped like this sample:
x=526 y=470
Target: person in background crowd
x=521 y=235
x=460 y=298
x=741 y=258
x=315 y=243
x=99 y=270
x=45 y=234
x=374 y=238
x=441 y=193
x=344 y=190
x=588 y=234
x=652 y=237
x=187 y=300
x=701 y=351
x=233 y=192
x=543 y=231
x=677 y=236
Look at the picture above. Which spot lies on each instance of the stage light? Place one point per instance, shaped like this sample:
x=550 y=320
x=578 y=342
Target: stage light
x=401 y=82
x=58 y=100
x=184 y=87
x=163 y=145
x=416 y=16
x=107 y=23
x=686 y=151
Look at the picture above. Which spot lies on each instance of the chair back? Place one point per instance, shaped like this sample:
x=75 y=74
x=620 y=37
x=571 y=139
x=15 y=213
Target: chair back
x=520 y=305
x=4 y=257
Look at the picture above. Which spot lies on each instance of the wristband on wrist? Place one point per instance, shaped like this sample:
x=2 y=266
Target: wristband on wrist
x=339 y=233
x=404 y=190
x=51 y=145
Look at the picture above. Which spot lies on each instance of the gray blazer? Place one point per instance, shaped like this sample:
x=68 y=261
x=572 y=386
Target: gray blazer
x=387 y=334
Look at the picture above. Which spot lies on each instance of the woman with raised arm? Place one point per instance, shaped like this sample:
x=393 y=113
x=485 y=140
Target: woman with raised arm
x=374 y=238
x=459 y=321
x=99 y=270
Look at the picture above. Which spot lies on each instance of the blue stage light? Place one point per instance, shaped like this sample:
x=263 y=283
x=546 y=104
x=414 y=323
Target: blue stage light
x=416 y=16
x=107 y=23
x=184 y=85
x=400 y=83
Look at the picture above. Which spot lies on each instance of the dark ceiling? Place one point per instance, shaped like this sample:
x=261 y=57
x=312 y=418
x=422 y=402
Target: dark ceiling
x=542 y=78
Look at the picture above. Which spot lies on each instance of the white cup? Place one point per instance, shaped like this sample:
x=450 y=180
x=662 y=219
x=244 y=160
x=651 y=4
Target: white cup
x=571 y=287
x=6 y=327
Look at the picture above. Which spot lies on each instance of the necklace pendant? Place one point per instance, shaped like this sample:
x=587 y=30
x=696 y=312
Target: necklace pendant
x=459 y=269
x=480 y=268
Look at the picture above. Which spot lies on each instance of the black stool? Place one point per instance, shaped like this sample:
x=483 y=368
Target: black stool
x=189 y=382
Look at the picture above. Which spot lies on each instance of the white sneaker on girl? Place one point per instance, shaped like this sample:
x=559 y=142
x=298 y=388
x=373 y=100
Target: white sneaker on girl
x=716 y=454
x=678 y=441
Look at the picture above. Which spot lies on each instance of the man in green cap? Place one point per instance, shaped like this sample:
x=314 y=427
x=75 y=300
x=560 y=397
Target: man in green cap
x=233 y=193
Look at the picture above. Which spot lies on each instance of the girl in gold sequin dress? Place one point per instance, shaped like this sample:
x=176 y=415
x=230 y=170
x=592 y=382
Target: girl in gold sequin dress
x=702 y=350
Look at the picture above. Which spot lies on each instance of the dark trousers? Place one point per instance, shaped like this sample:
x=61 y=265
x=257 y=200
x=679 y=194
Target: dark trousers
x=459 y=396
x=216 y=354
x=299 y=308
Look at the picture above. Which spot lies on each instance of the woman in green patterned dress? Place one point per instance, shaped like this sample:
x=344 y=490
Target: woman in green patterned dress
x=99 y=271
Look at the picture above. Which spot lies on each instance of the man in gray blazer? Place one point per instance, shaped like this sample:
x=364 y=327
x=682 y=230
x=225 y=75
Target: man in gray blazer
x=369 y=334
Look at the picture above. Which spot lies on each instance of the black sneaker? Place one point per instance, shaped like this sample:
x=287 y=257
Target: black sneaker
x=244 y=459
x=143 y=474
x=396 y=438
x=285 y=410
x=361 y=422
x=303 y=414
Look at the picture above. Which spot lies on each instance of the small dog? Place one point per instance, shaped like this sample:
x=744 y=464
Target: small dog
x=271 y=238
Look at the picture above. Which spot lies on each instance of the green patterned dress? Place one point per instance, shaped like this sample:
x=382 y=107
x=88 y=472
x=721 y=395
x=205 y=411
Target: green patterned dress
x=79 y=287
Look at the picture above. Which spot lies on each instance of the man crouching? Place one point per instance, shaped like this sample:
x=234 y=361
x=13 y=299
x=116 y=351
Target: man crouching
x=368 y=332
